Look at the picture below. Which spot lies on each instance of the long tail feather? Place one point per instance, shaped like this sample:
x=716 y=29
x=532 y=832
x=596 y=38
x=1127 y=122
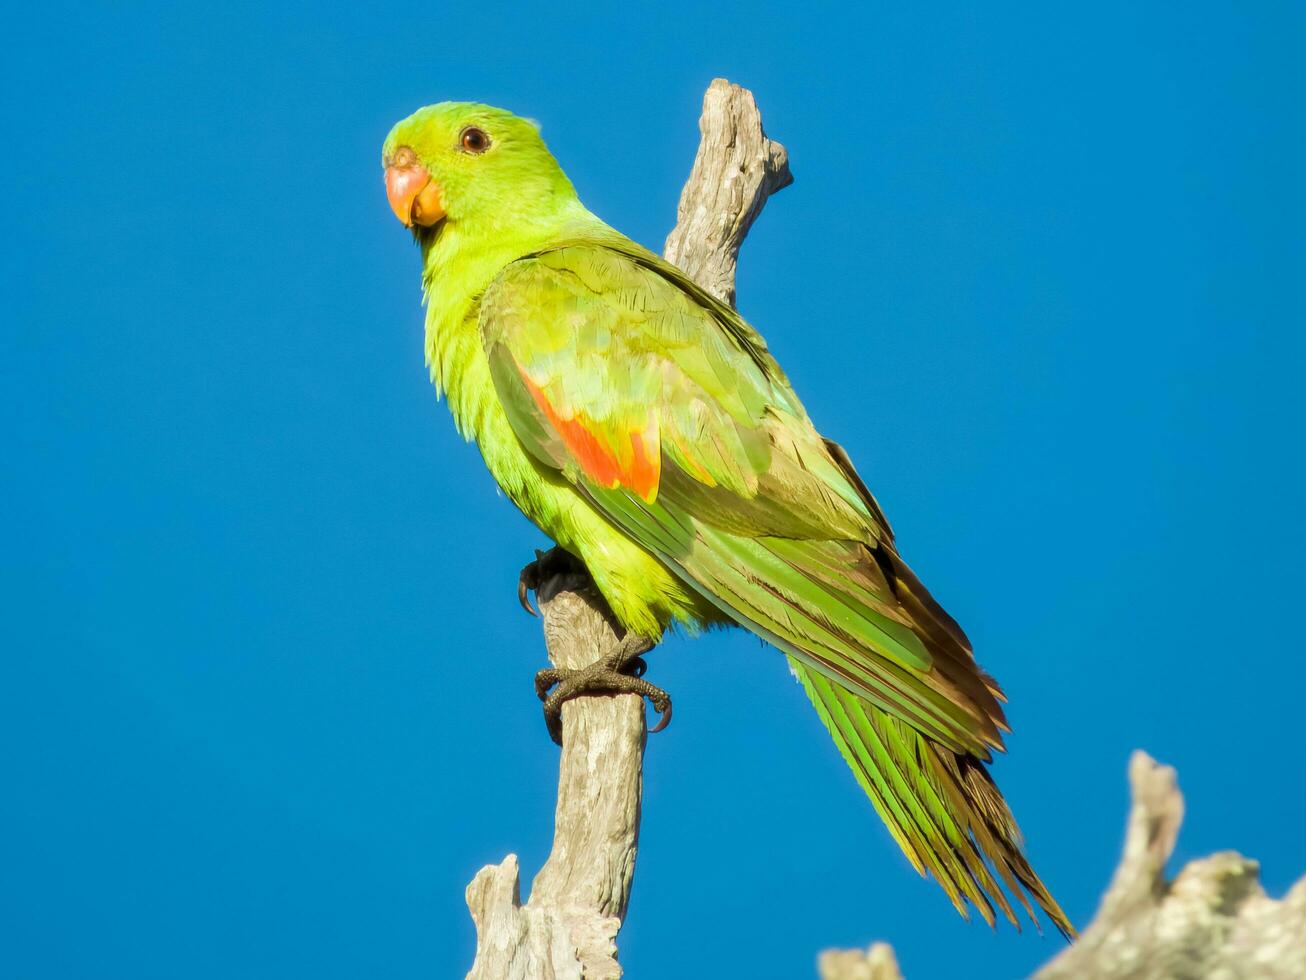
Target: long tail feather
x=941 y=807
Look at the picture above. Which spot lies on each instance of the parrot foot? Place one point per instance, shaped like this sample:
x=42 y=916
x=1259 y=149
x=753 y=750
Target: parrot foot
x=620 y=672
x=555 y=561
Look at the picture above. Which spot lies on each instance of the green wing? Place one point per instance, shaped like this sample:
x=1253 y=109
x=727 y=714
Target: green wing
x=667 y=411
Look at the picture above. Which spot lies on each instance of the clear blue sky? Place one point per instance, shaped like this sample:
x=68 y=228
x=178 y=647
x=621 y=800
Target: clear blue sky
x=266 y=704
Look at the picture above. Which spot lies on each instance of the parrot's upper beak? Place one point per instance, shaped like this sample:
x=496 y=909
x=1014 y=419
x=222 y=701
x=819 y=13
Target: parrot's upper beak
x=415 y=198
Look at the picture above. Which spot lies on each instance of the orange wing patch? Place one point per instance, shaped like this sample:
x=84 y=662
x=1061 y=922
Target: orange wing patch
x=634 y=462
x=645 y=462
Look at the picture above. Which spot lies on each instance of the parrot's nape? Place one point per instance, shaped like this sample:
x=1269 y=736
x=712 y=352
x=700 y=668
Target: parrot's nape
x=644 y=426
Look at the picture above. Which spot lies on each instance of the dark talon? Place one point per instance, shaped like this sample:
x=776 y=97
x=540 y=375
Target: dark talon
x=524 y=594
x=635 y=667
x=529 y=580
x=665 y=720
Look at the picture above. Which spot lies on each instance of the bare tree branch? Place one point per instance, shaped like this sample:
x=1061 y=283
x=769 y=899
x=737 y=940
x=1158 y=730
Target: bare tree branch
x=737 y=168
x=877 y=963
x=568 y=928
x=1213 y=920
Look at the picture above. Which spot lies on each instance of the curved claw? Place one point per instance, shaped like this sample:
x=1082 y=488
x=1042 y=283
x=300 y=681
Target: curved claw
x=528 y=580
x=524 y=594
x=665 y=717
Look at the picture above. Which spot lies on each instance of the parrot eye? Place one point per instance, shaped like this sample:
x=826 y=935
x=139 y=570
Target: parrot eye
x=474 y=140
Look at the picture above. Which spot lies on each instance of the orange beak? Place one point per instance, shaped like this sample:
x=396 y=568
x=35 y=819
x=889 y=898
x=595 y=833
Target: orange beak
x=414 y=197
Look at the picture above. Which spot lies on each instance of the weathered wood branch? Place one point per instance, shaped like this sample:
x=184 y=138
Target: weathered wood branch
x=737 y=168
x=568 y=928
x=1213 y=920
x=876 y=963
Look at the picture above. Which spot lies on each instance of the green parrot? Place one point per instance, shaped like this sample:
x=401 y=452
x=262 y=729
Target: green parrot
x=643 y=425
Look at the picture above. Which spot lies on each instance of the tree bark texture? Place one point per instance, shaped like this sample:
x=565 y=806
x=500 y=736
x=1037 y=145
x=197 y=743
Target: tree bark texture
x=568 y=928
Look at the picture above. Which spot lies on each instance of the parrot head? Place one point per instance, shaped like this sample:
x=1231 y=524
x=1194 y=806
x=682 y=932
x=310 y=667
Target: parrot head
x=471 y=164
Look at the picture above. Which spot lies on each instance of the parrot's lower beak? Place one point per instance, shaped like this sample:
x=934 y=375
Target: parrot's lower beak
x=414 y=197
